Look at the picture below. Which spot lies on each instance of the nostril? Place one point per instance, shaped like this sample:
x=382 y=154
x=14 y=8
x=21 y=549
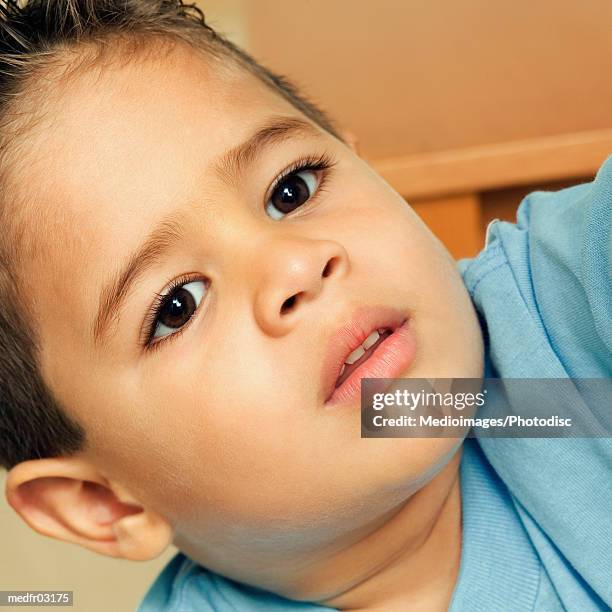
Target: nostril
x=329 y=266
x=288 y=304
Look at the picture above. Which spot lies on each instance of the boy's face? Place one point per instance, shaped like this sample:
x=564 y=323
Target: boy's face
x=223 y=428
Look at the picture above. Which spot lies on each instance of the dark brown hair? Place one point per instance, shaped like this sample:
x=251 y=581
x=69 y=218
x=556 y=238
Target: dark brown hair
x=37 y=39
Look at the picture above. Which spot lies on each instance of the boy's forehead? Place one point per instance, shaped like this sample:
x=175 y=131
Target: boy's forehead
x=182 y=108
x=134 y=137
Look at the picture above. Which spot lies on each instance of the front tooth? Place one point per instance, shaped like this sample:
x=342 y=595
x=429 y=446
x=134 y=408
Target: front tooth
x=342 y=370
x=355 y=355
x=371 y=339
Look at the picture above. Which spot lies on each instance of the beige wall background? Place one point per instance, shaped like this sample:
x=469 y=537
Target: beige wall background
x=477 y=101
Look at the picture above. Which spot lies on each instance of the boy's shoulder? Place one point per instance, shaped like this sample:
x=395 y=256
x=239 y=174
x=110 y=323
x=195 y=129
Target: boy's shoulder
x=542 y=288
x=543 y=285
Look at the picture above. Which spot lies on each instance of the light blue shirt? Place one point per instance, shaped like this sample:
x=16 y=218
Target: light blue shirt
x=536 y=513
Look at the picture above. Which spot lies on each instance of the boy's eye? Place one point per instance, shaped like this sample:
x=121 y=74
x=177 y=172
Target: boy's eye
x=177 y=307
x=292 y=191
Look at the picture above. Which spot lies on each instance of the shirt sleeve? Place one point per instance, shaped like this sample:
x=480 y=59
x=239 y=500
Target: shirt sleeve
x=570 y=258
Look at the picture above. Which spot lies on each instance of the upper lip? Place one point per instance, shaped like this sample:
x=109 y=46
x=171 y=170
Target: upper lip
x=362 y=322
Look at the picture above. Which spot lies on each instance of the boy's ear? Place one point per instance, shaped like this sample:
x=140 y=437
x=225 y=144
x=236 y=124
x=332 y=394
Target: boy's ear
x=67 y=498
x=351 y=139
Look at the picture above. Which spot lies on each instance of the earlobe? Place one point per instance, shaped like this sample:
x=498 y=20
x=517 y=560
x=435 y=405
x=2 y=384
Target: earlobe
x=68 y=499
x=142 y=536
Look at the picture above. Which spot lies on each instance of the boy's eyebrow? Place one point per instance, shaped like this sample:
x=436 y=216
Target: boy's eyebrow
x=169 y=231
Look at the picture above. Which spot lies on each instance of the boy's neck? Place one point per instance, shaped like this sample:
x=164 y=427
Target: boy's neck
x=410 y=569
x=408 y=559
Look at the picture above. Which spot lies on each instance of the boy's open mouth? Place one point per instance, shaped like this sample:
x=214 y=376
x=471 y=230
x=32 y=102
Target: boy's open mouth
x=362 y=353
x=375 y=342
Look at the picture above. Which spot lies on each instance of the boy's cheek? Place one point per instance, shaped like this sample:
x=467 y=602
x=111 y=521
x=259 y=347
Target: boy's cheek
x=272 y=507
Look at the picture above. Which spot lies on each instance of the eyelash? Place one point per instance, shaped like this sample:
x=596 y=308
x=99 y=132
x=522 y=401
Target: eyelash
x=321 y=163
x=317 y=163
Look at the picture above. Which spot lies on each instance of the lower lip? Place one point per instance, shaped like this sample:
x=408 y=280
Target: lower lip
x=392 y=357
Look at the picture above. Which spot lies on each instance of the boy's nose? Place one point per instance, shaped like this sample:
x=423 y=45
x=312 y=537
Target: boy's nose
x=294 y=273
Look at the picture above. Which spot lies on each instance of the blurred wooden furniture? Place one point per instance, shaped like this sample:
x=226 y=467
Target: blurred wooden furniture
x=458 y=192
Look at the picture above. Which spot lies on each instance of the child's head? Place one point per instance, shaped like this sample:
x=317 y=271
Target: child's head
x=206 y=423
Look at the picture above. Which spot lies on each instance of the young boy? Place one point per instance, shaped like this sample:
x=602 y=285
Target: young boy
x=190 y=251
